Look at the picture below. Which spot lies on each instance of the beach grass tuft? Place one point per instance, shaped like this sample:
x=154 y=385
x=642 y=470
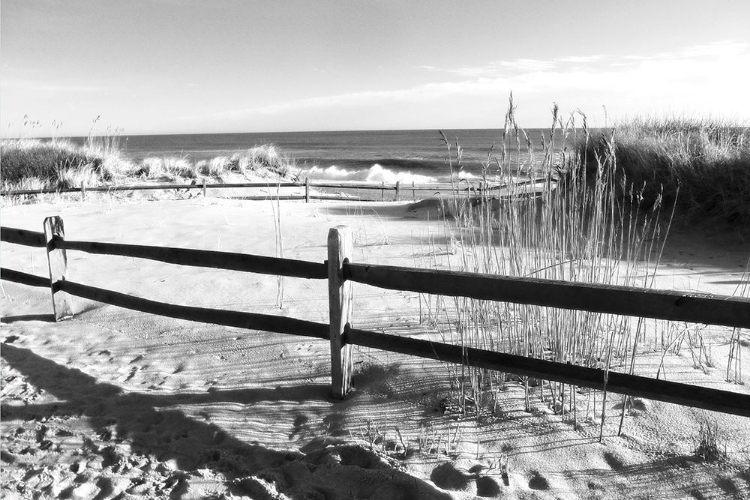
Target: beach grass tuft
x=709 y=436
x=53 y=163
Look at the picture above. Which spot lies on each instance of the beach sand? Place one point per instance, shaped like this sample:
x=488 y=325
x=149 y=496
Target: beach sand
x=118 y=404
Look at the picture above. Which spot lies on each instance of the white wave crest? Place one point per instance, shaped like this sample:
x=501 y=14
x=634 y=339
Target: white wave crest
x=376 y=173
x=468 y=176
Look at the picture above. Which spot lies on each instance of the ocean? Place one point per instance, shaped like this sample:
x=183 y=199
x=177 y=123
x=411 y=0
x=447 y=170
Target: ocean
x=417 y=156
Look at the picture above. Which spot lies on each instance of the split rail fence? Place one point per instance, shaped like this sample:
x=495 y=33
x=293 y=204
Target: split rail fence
x=341 y=273
x=400 y=190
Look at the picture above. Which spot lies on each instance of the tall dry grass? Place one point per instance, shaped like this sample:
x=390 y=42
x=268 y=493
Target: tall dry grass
x=568 y=226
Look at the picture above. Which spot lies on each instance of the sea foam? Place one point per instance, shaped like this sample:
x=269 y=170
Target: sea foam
x=376 y=173
x=379 y=173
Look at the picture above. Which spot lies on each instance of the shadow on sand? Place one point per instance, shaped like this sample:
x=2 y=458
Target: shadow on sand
x=147 y=423
x=48 y=318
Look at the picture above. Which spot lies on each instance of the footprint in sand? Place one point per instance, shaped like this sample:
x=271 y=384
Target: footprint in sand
x=106 y=353
x=304 y=349
x=615 y=462
x=132 y=373
x=133 y=369
x=446 y=476
x=300 y=426
x=487 y=487
x=538 y=482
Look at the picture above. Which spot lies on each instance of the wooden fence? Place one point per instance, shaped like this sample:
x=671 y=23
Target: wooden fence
x=401 y=191
x=341 y=273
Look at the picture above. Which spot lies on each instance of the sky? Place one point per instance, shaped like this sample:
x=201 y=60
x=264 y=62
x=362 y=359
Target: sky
x=74 y=67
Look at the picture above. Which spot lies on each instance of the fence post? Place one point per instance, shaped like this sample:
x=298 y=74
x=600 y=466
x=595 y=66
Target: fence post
x=340 y=309
x=307 y=190
x=83 y=191
x=54 y=231
x=413 y=195
x=382 y=191
x=398 y=189
x=204 y=187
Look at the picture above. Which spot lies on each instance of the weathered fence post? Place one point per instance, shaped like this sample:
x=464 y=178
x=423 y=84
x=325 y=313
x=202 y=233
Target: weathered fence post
x=54 y=231
x=398 y=189
x=307 y=190
x=340 y=309
x=382 y=190
x=413 y=195
x=204 y=187
x=83 y=191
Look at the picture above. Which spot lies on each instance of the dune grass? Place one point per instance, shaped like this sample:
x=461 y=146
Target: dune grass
x=572 y=227
x=265 y=159
x=29 y=164
x=600 y=214
x=54 y=163
x=699 y=166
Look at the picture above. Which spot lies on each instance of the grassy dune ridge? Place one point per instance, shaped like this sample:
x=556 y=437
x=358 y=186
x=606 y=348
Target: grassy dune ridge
x=54 y=164
x=701 y=167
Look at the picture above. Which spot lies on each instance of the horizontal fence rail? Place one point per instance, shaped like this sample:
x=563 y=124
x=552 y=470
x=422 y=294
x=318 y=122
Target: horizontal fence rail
x=254 y=321
x=456 y=187
x=203 y=258
x=147 y=187
x=341 y=274
x=621 y=383
x=392 y=187
x=22 y=237
x=23 y=278
x=629 y=301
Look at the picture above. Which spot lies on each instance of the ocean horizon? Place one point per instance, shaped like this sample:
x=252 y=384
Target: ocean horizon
x=419 y=156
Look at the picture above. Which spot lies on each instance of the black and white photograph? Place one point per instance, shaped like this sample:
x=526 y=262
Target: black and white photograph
x=374 y=249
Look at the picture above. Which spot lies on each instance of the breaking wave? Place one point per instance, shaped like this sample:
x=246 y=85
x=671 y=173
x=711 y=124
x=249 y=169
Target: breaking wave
x=376 y=173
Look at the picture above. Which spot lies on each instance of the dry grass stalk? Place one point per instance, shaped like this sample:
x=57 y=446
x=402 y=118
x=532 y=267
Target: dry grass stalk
x=569 y=226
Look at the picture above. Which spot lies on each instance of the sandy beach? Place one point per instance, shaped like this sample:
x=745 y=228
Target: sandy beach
x=114 y=403
x=507 y=172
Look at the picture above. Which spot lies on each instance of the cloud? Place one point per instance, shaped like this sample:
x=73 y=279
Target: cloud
x=707 y=78
x=495 y=68
x=698 y=53
x=716 y=49
x=581 y=59
x=422 y=93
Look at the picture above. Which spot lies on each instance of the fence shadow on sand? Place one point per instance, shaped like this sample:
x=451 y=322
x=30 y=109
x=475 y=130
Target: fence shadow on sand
x=154 y=428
